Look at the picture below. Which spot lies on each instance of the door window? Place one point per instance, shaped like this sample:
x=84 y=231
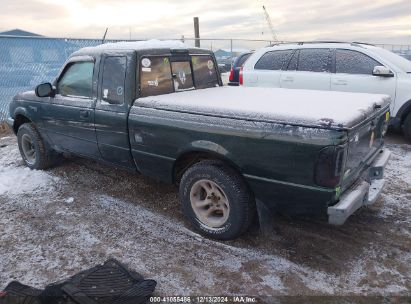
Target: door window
x=240 y=62
x=275 y=60
x=77 y=80
x=314 y=60
x=293 y=64
x=114 y=74
x=353 y=62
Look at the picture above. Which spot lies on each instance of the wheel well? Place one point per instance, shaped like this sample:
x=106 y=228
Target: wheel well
x=18 y=121
x=404 y=111
x=188 y=159
x=405 y=115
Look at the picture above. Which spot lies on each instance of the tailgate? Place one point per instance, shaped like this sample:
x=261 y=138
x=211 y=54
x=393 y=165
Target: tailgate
x=364 y=142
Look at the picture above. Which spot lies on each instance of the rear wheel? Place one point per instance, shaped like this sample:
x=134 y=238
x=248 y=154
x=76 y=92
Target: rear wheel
x=216 y=200
x=407 y=127
x=33 y=150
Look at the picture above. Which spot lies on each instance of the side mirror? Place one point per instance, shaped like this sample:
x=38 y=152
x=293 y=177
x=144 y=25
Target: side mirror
x=45 y=90
x=382 y=71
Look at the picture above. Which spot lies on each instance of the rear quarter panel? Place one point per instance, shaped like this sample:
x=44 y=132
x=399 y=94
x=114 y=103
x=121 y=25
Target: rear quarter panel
x=276 y=160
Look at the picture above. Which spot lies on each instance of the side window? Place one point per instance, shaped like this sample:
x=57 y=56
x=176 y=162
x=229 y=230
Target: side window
x=77 y=80
x=314 y=60
x=114 y=73
x=293 y=64
x=182 y=77
x=242 y=60
x=275 y=60
x=205 y=74
x=353 y=62
x=155 y=76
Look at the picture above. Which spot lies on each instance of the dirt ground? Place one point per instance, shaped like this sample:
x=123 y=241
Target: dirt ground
x=64 y=220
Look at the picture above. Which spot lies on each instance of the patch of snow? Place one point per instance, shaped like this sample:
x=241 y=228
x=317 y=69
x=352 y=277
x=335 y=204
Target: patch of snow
x=325 y=108
x=141 y=45
x=18 y=180
x=398 y=171
x=69 y=200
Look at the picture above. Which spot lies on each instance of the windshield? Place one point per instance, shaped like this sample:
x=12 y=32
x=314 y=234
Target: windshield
x=163 y=75
x=400 y=62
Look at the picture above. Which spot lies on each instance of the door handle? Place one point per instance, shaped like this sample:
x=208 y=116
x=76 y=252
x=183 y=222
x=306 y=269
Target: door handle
x=288 y=79
x=84 y=113
x=340 y=82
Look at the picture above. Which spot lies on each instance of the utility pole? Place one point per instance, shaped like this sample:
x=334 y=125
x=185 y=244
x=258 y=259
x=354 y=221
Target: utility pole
x=196 y=32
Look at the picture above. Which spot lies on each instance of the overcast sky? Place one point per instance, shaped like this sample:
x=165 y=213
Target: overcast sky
x=356 y=20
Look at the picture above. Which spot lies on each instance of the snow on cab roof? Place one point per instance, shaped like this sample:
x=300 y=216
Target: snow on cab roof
x=142 y=45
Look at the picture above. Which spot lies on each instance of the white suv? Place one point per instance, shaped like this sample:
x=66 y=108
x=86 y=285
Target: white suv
x=352 y=67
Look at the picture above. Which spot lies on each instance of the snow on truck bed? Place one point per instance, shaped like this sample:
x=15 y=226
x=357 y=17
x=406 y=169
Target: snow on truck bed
x=307 y=107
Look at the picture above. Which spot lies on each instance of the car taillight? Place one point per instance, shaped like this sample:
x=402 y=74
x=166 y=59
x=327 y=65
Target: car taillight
x=329 y=166
x=231 y=77
x=240 y=76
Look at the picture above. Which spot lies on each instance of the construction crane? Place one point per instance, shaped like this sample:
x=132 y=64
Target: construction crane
x=270 y=25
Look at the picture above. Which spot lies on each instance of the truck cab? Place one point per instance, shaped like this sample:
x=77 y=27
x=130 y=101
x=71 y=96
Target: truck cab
x=87 y=110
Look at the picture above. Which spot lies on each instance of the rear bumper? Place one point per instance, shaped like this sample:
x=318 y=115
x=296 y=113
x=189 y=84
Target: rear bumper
x=361 y=194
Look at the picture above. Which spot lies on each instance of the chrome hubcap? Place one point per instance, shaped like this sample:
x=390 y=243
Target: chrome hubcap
x=209 y=203
x=28 y=149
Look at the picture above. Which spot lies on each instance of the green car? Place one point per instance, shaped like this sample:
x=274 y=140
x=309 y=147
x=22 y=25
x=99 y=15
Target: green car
x=160 y=109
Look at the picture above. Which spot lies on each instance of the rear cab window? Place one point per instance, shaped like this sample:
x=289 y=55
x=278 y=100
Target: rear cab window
x=163 y=75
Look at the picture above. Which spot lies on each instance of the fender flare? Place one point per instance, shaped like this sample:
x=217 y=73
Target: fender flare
x=203 y=147
x=21 y=111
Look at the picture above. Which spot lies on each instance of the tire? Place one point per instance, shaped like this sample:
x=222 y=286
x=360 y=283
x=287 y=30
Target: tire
x=210 y=187
x=35 y=153
x=406 y=127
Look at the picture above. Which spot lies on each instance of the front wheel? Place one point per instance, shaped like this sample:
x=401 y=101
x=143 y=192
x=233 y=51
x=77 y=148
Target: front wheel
x=216 y=200
x=33 y=150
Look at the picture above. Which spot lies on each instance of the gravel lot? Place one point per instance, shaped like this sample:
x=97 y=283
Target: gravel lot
x=55 y=223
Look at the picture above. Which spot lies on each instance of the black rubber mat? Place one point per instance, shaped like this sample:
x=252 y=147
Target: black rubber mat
x=104 y=284
x=17 y=293
x=109 y=283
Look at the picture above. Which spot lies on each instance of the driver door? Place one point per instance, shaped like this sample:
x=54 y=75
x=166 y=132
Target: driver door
x=70 y=118
x=354 y=73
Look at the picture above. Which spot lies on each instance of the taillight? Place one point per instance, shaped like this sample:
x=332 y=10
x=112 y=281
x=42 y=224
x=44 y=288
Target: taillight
x=231 y=77
x=240 y=76
x=329 y=166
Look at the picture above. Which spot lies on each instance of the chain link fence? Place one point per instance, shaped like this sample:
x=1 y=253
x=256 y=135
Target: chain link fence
x=28 y=61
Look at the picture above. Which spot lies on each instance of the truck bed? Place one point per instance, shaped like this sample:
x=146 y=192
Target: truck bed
x=302 y=107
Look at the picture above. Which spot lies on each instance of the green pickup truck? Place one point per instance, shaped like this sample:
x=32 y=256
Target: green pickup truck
x=160 y=109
